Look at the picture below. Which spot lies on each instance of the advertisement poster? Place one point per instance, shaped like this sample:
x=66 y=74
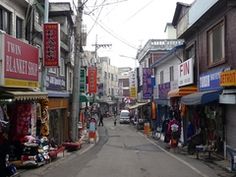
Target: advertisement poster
x=51 y=39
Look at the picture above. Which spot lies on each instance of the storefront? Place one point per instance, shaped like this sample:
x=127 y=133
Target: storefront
x=175 y=106
x=228 y=99
x=58 y=109
x=163 y=102
x=23 y=108
x=205 y=113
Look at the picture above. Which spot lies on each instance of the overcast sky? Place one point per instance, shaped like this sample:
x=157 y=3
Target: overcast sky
x=126 y=24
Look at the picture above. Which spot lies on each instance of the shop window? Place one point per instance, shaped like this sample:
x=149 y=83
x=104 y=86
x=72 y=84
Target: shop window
x=19 y=27
x=5 y=20
x=172 y=73
x=190 y=52
x=161 y=77
x=216 y=44
x=62 y=67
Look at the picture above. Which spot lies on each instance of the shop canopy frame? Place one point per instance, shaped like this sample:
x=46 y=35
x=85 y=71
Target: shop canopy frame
x=182 y=91
x=199 y=98
x=23 y=95
x=137 y=105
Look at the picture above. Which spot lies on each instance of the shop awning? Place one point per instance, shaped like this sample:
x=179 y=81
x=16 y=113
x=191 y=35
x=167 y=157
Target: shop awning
x=137 y=105
x=83 y=98
x=200 y=97
x=181 y=91
x=23 y=95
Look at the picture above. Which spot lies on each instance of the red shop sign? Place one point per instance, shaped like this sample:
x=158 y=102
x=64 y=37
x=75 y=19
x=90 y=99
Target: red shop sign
x=51 y=39
x=20 y=60
x=92 y=80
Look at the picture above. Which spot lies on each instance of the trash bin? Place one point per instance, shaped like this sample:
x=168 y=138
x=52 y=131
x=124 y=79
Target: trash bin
x=232 y=157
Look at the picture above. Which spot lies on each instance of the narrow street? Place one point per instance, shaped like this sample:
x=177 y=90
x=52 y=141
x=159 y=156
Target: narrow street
x=123 y=151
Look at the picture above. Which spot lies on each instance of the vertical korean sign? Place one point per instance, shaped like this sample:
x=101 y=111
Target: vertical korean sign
x=147 y=83
x=92 y=80
x=51 y=41
x=20 y=63
x=82 y=80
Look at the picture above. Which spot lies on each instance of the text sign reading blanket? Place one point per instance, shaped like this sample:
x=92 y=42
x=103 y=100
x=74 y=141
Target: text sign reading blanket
x=20 y=63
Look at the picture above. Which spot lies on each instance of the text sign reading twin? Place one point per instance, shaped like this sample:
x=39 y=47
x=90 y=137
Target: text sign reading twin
x=51 y=39
x=21 y=60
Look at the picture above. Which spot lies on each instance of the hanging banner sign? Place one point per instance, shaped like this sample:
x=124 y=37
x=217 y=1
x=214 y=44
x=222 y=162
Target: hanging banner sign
x=51 y=41
x=82 y=80
x=147 y=83
x=92 y=80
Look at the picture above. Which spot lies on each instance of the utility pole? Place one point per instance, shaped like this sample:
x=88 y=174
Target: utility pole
x=97 y=46
x=76 y=73
x=43 y=69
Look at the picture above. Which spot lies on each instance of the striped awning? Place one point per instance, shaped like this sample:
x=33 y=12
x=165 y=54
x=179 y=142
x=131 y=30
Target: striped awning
x=23 y=95
x=182 y=91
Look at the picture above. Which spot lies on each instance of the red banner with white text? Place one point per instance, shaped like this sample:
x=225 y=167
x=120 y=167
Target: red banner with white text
x=51 y=41
x=92 y=80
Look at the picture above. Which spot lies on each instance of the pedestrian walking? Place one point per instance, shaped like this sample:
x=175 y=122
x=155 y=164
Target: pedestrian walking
x=100 y=118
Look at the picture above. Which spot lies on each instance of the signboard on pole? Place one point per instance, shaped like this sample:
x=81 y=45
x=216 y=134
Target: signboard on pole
x=147 y=83
x=51 y=43
x=82 y=80
x=92 y=80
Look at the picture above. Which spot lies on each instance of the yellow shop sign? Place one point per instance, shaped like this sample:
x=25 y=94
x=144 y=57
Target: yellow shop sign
x=228 y=78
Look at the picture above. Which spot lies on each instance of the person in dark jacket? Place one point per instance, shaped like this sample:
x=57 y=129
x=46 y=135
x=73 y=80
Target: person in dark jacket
x=100 y=118
x=4 y=150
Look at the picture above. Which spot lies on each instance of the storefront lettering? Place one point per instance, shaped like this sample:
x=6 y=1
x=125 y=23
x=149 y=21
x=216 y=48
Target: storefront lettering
x=13 y=48
x=228 y=78
x=16 y=65
x=32 y=69
x=184 y=69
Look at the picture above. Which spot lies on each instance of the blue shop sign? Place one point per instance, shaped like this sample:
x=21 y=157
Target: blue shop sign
x=210 y=80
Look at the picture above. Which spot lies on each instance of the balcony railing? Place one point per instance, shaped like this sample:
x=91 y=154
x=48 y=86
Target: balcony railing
x=158 y=45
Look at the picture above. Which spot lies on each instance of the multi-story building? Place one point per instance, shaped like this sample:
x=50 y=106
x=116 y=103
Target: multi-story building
x=208 y=31
x=23 y=104
x=153 y=50
x=59 y=81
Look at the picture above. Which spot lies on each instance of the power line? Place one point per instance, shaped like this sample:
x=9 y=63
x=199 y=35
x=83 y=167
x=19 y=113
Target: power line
x=139 y=10
x=96 y=18
x=114 y=35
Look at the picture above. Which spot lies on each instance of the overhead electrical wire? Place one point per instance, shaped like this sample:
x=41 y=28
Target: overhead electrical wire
x=114 y=35
x=110 y=32
x=139 y=10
